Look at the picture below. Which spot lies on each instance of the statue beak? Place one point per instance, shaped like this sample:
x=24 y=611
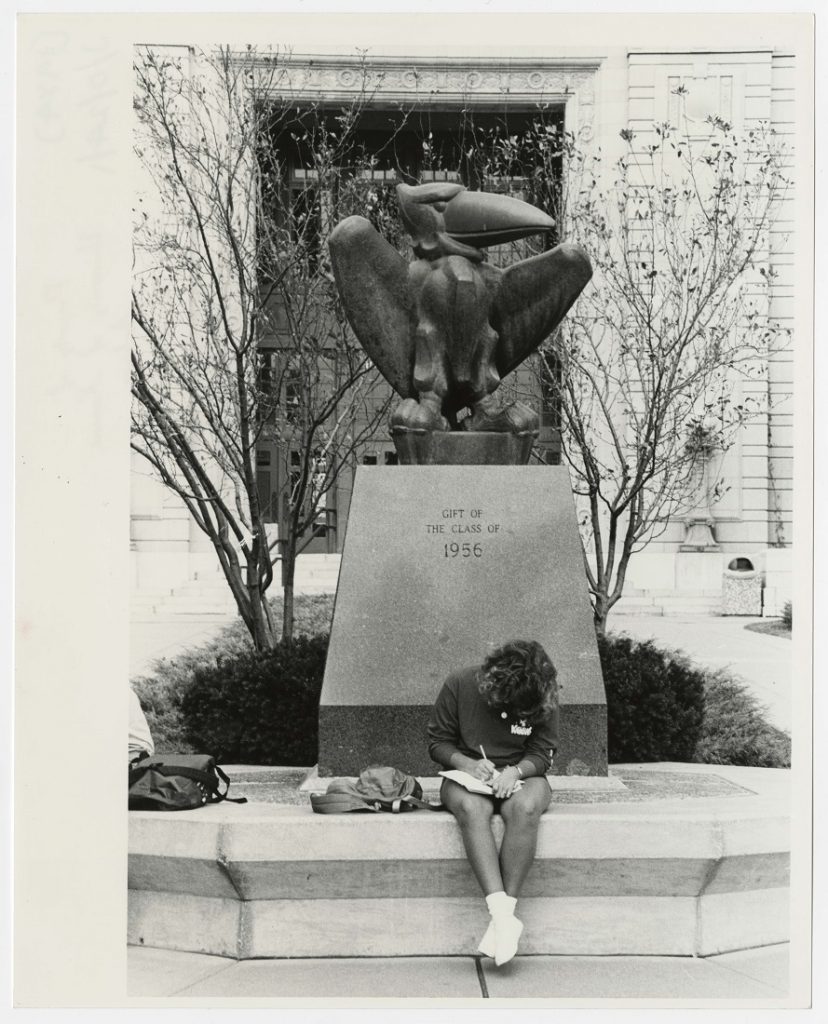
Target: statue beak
x=482 y=219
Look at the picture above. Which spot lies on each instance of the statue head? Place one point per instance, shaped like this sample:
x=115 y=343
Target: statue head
x=422 y=208
x=443 y=217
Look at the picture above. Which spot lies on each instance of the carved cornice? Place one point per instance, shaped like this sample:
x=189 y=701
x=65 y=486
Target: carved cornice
x=443 y=82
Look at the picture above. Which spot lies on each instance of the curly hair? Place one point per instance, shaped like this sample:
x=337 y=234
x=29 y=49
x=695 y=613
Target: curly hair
x=519 y=677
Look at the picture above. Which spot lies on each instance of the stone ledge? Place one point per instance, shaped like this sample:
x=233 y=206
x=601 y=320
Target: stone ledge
x=296 y=833
x=377 y=878
x=642 y=926
x=689 y=876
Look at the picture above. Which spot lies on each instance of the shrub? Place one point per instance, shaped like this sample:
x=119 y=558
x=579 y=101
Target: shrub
x=655 y=701
x=735 y=729
x=259 y=708
x=787 y=615
x=162 y=690
x=659 y=708
x=160 y=698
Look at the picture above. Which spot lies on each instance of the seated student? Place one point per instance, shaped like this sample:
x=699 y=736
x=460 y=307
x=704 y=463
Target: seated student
x=140 y=738
x=501 y=717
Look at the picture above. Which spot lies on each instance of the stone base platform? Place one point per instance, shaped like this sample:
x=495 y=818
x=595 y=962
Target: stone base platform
x=693 y=876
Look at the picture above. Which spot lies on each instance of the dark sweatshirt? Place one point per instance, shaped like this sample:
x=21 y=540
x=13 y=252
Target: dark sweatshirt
x=462 y=721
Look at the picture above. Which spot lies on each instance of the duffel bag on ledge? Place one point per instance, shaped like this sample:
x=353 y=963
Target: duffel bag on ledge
x=177 y=782
x=376 y=789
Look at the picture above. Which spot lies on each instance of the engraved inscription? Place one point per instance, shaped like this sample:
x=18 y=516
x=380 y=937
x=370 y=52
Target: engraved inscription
x=462 y=523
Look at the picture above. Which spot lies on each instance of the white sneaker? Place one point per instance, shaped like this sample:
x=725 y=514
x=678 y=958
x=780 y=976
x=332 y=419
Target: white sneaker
x=507 y=935
x=487 y=944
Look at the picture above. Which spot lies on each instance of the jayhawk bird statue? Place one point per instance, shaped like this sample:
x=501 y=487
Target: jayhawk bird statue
x=445 y=329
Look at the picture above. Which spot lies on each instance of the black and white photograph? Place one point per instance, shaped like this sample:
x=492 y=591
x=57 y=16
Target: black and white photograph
x=422 y=404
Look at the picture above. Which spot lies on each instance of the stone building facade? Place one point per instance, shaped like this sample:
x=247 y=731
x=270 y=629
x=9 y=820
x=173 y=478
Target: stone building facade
x=597 y=95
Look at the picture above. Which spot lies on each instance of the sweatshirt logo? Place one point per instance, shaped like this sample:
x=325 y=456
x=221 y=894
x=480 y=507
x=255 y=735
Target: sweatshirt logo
x=521 y=728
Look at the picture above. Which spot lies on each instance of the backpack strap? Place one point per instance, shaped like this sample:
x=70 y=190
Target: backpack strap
x=405 y=803
x=223 y=796
x=340 y=803
x=426 y=805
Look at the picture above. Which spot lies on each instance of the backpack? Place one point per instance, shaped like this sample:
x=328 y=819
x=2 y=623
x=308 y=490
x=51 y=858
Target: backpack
x=177 y=782
x=376 y=789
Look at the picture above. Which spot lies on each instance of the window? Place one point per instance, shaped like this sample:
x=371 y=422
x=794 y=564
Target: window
x=550 y=378
x=265 y=480
x=292 y=388
x=551 y=419
x=484 y=149
x=389 y=458
x=279 y=382
x=316 y=493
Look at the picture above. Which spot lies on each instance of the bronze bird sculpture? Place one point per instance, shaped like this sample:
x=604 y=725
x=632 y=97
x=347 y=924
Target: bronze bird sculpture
x=445 y=329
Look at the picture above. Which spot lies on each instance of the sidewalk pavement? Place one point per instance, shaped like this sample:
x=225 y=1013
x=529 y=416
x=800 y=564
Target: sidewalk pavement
x=763 y=662
x=761 y=973
x=166 y=636
x=716 y=641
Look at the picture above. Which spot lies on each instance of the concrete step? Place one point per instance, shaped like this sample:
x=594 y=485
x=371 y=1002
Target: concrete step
x=208 y=594
x=670 y=592
x=308 y=568
x=686 y=877
x=671 y=603
x=147 y=604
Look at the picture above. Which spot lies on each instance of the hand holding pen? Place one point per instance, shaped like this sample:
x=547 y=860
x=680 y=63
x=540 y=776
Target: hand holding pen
x=486 y=770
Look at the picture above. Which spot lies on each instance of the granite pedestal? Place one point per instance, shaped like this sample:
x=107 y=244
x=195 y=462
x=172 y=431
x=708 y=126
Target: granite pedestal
x=442 y=564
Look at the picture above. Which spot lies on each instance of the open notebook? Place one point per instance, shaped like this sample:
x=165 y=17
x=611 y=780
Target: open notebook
x=472 y=784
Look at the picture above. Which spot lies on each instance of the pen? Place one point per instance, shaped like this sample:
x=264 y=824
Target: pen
x=495 y=772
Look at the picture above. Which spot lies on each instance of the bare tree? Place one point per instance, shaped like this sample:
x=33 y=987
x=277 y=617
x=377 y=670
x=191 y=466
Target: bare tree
x=238 y=336
x=664 y=357
x=662 y=360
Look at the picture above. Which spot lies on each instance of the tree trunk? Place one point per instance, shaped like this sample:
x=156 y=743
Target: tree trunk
x=288 y=572
x=287 y=612
x=262 y=630
x=600 y=612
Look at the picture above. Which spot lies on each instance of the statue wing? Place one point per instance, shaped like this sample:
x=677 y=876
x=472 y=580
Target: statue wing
x=534 y=296
x=372 y=279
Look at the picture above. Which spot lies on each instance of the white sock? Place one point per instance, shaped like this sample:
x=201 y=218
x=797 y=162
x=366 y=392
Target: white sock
x=503 y=933
x=501 y=938
x=500 y=904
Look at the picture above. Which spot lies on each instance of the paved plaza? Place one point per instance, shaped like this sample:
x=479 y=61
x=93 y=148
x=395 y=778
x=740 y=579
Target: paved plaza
x=716 y=641
x=745 y=975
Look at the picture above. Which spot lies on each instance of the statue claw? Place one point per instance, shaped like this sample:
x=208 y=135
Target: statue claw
x=516 y=418
x=419 y=417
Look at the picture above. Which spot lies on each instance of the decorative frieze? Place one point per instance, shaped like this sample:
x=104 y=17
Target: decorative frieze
x=447 y=82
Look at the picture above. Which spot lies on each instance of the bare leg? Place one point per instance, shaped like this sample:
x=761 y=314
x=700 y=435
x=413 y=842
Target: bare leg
x=474 y=816
x=521 y=815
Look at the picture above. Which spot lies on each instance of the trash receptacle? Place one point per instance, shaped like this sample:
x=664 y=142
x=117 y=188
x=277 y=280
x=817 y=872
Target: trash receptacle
x=741 y=588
